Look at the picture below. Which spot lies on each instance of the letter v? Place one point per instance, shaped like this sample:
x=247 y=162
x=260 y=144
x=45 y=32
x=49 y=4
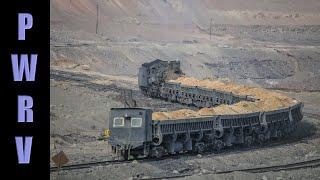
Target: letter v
x=24 y=149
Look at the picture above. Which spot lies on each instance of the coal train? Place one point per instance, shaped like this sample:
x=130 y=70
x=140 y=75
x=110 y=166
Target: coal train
x=153 y=82
x=134 y=134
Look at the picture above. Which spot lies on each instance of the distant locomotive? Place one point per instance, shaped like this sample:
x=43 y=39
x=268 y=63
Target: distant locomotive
x=135 y=134
x=153 y=82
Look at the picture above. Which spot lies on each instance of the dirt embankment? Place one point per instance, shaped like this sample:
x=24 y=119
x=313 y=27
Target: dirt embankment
x=266 y=100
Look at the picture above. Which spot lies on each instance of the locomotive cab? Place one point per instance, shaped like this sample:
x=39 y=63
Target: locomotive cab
x=130 y=130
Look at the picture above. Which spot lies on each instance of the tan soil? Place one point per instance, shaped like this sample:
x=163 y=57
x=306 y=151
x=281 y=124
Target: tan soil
x=267 y=100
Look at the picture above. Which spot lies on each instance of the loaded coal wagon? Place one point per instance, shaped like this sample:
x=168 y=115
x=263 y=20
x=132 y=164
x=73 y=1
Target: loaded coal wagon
x=135 y=134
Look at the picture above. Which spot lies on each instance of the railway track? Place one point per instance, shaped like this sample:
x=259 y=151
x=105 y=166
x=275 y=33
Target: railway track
x=235 y=149
x=284 y=167
x=88 y=165
x=104 y=163
x=312 y=115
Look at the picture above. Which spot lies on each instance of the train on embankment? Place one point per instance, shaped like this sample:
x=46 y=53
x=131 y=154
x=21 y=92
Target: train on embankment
x=224 y=119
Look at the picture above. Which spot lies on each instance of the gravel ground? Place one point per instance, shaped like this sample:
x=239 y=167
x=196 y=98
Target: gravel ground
x=83 y=107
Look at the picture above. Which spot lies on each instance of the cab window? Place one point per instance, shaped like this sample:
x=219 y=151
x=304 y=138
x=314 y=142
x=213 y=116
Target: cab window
x=118 y=122
x=136 y=122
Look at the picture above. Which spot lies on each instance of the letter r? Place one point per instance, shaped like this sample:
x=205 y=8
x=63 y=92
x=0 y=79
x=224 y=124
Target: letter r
x=25 y=21
x=25 y=113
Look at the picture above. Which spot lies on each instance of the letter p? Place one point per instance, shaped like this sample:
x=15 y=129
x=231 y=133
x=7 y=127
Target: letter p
x=25 y=21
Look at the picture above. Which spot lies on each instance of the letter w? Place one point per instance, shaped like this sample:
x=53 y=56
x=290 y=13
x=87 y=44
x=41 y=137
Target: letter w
x=23 y=67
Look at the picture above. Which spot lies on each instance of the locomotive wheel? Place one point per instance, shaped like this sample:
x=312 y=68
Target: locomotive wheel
x=199 y=147
x=261 y=129
x=157 y=152
x=219 y=145
x=248 y=141
x=247 y=131
x=237 y=132
x=261 y=139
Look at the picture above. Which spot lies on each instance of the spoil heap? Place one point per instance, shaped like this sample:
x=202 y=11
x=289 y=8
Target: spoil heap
x=265 y=100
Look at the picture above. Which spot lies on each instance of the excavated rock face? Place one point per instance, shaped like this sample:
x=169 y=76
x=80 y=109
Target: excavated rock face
x=265 y=100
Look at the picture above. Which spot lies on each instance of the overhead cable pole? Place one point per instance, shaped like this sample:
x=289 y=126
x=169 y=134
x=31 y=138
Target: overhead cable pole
x=97 y=22
x=210 y=27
